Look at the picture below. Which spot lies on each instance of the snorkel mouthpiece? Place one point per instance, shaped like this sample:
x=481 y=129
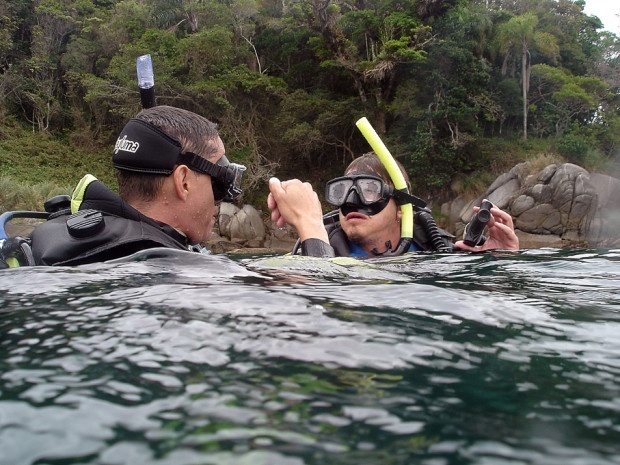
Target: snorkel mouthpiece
x=368 y=210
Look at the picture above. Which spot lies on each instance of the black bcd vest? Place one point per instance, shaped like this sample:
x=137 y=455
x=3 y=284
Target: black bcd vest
x=104 y=228
x=427 y=236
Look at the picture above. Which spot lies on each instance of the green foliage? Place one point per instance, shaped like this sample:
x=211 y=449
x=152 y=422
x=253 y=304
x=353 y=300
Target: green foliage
x=41 y=159
x=577 y=144
x=320 y=129
x=561 y=99
x=572 y=94
x=128 y=21
x=286 y=82
x=20 y=195
x=205 y=53
x=608 y=136
x=573 y=147
x=8 y=26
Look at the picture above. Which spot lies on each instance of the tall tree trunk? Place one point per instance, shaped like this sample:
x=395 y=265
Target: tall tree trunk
x=525 y=86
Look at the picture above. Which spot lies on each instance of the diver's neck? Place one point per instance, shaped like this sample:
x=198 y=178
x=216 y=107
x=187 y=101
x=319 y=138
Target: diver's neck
x=381 y=244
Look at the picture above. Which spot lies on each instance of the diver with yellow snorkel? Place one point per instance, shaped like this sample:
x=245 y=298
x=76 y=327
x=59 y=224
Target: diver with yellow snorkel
x=375 y=215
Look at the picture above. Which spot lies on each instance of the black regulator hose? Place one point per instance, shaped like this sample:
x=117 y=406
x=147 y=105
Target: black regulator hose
x=427 y=221
x=27 y=253
x=401 y=248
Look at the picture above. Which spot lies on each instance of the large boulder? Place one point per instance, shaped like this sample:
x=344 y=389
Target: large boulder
x=280 y=239
x=237 y=227
x=243 y=229
x=247 y=227
x=227 y=212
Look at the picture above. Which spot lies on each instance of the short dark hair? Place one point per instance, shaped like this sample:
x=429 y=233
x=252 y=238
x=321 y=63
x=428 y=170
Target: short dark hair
x=370 y=163
x=195 y=133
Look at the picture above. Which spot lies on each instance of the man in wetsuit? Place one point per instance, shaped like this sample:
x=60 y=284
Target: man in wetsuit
x=172 y=174
x=368 y=219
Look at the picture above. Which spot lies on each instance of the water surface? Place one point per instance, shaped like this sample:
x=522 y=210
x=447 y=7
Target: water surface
x=179 y=358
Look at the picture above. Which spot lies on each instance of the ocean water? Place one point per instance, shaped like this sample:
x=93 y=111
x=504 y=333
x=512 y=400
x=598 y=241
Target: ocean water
x=177 y=358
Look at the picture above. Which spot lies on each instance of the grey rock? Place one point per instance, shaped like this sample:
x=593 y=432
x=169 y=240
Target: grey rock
x=521 y=204
x=227 y=212
x=247 y=225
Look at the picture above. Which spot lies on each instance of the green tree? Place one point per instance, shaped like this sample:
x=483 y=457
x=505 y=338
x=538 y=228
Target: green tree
x=286 y=81
x=561 y=98
x=372 y=47
x=447 y=102
x=517 y=39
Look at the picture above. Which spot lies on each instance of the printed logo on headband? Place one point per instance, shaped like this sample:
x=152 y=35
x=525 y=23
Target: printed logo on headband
x=126 y=145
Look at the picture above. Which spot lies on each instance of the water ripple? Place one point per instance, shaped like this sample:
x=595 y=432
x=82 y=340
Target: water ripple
x=187 y=359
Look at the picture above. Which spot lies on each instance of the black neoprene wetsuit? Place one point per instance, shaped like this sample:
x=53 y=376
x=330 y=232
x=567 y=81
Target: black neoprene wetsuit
x=427 y=237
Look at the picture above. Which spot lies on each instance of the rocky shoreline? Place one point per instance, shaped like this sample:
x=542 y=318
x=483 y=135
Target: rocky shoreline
x=247 y=230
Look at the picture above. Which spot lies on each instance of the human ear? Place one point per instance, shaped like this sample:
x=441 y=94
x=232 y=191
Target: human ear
x=181 y=180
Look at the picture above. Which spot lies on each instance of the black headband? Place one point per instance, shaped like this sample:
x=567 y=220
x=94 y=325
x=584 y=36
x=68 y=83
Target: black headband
x=143 y=148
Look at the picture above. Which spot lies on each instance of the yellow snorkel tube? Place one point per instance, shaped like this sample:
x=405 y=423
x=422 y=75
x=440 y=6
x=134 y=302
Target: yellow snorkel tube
x=406 y=224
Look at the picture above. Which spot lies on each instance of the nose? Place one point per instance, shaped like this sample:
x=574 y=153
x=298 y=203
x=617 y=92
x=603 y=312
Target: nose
x=353 y=197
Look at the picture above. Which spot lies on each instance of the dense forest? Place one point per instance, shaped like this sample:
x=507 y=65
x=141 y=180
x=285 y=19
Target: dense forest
x=453 y=87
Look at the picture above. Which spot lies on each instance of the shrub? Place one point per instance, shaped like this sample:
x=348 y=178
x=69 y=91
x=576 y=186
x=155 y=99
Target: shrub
x=18 y=195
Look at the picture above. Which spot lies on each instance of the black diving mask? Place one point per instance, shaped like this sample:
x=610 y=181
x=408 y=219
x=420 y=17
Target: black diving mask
x=225 y=176
x=359 y=193
x=144 y=148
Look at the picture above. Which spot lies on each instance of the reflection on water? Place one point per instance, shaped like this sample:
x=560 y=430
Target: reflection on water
x=177 y=358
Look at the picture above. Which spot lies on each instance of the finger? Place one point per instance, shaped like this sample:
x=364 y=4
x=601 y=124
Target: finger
x=500 y=230
x=289 y=182
x=276 y=215
x=502 y=236
x=502 y=217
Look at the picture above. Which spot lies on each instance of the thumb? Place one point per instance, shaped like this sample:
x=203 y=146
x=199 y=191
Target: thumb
x=275 y=186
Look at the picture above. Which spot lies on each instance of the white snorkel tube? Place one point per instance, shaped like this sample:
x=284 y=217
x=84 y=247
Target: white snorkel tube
x=406 y=224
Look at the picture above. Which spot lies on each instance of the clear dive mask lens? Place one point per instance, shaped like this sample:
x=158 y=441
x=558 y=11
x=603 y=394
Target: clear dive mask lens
x=369 y=190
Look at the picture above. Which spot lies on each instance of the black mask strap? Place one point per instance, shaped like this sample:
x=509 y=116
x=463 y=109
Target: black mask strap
x=143 y=148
